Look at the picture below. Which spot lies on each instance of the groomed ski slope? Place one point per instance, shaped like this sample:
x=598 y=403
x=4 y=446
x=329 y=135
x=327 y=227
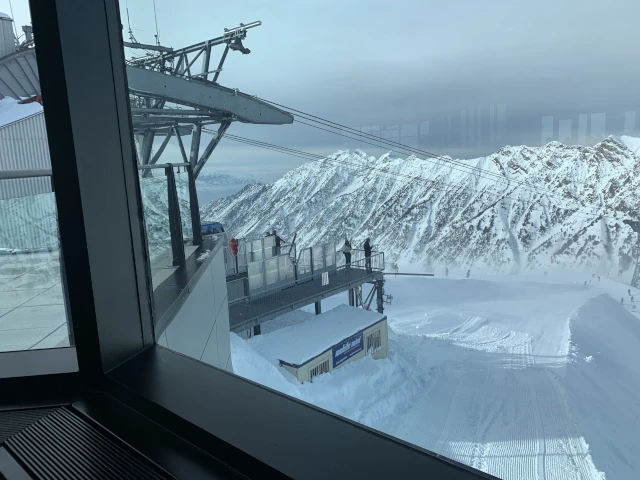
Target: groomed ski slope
x=521 y=377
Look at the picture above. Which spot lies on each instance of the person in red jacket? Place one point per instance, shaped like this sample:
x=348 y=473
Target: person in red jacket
x=233 y=244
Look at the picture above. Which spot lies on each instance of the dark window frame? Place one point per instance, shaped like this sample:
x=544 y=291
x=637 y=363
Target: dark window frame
x=254 y=429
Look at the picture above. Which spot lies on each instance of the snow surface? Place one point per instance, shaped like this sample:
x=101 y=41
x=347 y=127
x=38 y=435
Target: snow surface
x=12 y=111
x=295 y=344
x=520 y=376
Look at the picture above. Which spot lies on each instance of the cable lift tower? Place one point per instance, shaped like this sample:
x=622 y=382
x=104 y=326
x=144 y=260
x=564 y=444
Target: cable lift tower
x=175 y=92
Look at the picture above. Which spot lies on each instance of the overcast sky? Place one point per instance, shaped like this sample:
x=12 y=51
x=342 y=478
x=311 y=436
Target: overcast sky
x=370 y=62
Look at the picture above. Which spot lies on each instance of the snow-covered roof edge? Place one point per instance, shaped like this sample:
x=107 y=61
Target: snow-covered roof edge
x=310 y=359
x=26 y=117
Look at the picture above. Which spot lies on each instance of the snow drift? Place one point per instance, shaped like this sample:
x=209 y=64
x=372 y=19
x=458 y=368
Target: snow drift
x=519 y=376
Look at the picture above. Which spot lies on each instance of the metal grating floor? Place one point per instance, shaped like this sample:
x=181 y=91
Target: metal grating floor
x=57 y=444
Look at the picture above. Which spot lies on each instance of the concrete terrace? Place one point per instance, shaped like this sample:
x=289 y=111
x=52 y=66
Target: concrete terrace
x=32 y=311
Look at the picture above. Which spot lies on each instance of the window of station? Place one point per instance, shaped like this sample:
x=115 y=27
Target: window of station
x=33 y=314
x=481 y=172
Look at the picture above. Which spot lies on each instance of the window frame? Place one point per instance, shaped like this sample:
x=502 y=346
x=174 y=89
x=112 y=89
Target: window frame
x=253 y=428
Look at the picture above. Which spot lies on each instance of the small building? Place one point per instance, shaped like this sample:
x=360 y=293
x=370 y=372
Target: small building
x=23 y=135
x=23 y=146
x=329 y=341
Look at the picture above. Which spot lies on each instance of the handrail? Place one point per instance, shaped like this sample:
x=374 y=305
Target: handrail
x=15 y=174
x=162 y=165
x=377 y=259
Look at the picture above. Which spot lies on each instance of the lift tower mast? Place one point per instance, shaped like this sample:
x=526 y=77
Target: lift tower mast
x=176 y=92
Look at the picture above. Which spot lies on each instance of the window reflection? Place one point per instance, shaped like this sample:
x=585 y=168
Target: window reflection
x=32 y=305
x=496 y=198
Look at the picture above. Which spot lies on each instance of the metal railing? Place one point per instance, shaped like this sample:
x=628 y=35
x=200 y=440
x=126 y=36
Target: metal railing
x=26 y=224
x=28 y=213
x=173 y=207
x=237 y=289
x=259 y=248
x=15 y=174
x=257 y=288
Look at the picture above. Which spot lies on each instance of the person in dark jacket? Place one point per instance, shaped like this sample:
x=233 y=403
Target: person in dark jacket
x=346 y=250
x=278 y=240
x=367 y=254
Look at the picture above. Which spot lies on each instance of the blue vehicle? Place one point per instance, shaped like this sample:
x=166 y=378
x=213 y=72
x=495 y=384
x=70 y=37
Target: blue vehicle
x=211 y=228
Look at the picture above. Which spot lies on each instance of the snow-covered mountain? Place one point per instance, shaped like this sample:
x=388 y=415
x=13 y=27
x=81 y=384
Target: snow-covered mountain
x=554 y=205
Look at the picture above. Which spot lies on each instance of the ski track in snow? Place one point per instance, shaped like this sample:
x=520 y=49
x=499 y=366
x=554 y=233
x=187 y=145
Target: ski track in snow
x=492 y=374
x=518 y=424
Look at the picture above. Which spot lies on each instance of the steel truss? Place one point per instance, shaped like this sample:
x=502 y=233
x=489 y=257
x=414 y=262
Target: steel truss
x=156 y=112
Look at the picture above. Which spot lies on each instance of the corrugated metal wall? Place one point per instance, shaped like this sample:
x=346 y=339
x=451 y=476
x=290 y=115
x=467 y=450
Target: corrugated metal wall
x=24 y=146
x=7 y=37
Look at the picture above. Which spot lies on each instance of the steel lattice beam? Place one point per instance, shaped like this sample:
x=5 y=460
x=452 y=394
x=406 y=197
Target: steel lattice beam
x=209 y=150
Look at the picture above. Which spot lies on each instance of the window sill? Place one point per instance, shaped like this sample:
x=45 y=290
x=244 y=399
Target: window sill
x=279 y=431
x=29 y=363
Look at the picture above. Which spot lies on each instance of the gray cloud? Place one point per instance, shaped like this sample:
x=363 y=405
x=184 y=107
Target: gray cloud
x=369 y=62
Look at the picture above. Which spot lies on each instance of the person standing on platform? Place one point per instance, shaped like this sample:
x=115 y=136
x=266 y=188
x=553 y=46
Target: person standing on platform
x=278 y=240
x=346 y=250
x=367 y=254
x=233 y=245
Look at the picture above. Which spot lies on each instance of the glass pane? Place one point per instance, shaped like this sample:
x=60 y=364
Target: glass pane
x=269 y=246
x=155 y=203
x=242 y=255
x=304 y=262
x=271 y=266
x=500 y=170
x=256 y=275
x=330 y=256
x=283 y=264
x=256 y=250
x=182 y=187
x=318 y=259
x=32 y=299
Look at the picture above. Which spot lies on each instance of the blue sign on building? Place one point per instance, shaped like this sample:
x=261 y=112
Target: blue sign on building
x=347 y=349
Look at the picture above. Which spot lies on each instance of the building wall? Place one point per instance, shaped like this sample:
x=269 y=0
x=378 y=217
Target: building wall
x=303 y=373
x=24 y=146
x=7 y=37
x=200 y=329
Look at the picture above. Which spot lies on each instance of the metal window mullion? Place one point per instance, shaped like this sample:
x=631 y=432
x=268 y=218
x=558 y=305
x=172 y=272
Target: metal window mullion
x=175 y=223
x=93 y=159
x=195 y=208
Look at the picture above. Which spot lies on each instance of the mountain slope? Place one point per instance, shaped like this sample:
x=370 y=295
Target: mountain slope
x=437 y=212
